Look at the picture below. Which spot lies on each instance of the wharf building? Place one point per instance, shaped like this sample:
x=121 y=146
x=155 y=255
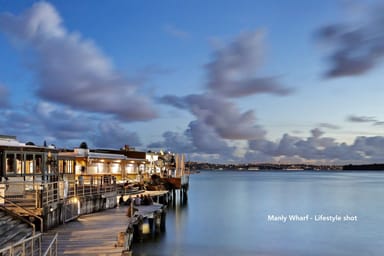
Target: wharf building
x=47 y=186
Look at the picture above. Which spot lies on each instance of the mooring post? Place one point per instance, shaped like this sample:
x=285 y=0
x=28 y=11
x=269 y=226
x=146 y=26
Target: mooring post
x=162 y=220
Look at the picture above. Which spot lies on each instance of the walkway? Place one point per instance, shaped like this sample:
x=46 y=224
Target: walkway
x=93 y=234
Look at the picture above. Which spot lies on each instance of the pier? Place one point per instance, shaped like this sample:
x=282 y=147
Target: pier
x=45 y=190
x=107 y=232
x=92 y=234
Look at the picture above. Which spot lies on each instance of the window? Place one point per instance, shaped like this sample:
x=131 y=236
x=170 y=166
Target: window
x=19 y=164
x=29 y=164
x=10 y=163
x=39 y=163
x=66 y=166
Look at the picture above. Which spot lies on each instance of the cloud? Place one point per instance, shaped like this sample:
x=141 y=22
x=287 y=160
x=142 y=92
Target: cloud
x=232 y=69
x=20 y=121
x=317 y=148
x=329 y=126
x=39 y=121
x=361 y=119
x=365 y=119
x=220 y=114
x=72 y=70
x=357 y=47
x=175 y=142
x=111 y=134
x=176 y=32
x=231 y=74
x=64 y=124
x=206 y=140
x=61 y=124
x=199 y=140
x=4 y=96
x=370 y=148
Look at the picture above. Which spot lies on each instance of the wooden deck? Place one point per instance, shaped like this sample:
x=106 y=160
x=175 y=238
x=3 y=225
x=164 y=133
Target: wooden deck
x=93 y=234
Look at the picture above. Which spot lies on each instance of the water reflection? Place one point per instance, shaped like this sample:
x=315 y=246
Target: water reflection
x=227 y=214
x=169 y=242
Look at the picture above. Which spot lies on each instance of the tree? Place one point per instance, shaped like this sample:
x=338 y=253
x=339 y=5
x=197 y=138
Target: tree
x=84 y=145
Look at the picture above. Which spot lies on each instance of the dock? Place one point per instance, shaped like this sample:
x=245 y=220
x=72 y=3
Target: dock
x=98 y=233
x=66 y=201
x=92 y=234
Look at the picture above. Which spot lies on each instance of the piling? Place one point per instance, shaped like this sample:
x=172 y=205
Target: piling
x=147 y=221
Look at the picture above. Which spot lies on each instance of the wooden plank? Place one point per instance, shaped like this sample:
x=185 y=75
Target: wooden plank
x=93 y=234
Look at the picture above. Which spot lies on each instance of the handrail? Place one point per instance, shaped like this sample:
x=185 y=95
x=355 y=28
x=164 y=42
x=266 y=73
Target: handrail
x=48 y=251
x=28 y=211
x=20 y=218
x=10 y=248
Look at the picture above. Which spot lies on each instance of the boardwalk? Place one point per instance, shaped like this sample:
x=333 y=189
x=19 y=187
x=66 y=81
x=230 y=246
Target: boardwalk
x=93 y=234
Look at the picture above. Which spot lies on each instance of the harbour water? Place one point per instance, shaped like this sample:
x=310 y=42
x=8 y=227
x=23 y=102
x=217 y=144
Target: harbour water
x=276 y=213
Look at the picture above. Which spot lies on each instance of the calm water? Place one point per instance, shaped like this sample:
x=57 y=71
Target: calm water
x=227 y=214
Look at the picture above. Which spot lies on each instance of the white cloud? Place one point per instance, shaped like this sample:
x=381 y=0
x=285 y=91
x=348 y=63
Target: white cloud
x=72 y=70
x=317 y=149
x=221 y=114
x=232 y=69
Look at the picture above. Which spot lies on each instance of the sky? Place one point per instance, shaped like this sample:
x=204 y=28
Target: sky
x=222 y=81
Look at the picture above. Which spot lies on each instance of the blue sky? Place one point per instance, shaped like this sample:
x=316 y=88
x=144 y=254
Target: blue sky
x=222 y=81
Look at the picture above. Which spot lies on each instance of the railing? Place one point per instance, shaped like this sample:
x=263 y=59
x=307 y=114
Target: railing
x=41 y=193
x=31 y=246
x=89 y=185
x=52 y=248
x=90 y=190
x=48 y=193
x=26 y=211
x=28 y=247
x=32 y=197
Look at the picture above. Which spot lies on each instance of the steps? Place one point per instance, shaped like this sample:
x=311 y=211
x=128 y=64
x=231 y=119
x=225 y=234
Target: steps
x=19 y=204
x=12 y=229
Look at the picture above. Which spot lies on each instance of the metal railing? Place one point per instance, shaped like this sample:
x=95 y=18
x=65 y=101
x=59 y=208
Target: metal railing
x=31 y=246
x=48 y=193
x=52 y=248
x=27 y=247
x=31 y=198
x=26 y=211
x=90 y=190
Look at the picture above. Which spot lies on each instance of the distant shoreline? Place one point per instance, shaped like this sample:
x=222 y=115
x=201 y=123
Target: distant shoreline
x=284 y=167
x=290 y=171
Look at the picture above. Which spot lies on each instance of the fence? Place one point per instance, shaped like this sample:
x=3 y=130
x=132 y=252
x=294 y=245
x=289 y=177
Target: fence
x=31 y=246
x=28 y=247
x=39 y=195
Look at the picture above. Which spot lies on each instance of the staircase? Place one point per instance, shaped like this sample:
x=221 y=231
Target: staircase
x=12 y=229
x=26 y=201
